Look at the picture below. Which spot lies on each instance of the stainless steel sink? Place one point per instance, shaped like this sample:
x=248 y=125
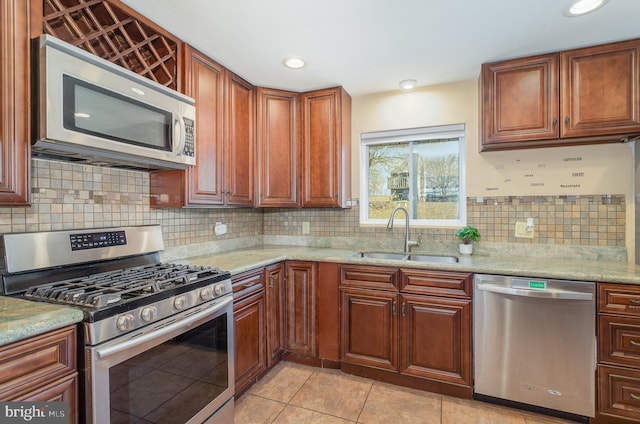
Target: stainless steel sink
x=383 y=255
x=408 y=257
x=434 y=259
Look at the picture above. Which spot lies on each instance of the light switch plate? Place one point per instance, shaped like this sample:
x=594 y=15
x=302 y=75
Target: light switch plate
x=521 y=231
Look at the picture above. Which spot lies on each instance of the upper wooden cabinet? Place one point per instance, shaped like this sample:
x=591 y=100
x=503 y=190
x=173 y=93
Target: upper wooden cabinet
x=15 y=136
x=277 y=148
x=225 y=142
x=240 y=142
x=520 y=100
x=326 y=148
x=573 y=97
x=600 y=90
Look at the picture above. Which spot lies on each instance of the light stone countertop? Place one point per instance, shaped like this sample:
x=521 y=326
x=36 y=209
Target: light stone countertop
x=21 y=319
x=239 y=261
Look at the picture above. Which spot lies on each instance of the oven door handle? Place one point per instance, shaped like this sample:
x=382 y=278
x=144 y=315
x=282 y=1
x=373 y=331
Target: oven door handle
x=174 y=326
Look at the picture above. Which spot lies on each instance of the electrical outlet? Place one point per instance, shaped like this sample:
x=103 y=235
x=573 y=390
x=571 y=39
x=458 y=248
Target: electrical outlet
x=305 y=228
x=521 y=231
x=220 y=228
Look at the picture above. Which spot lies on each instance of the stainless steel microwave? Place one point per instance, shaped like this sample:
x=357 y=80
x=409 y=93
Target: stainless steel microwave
x=95 y=112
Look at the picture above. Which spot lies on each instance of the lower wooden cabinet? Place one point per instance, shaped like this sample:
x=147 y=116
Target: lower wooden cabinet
x=41 y=368
x=618 y=394
x=435 y=338
x=618 y=373
x=274 y=276
x=407 y=336
x=249 y=329
x=369 y=328
x=300 y=308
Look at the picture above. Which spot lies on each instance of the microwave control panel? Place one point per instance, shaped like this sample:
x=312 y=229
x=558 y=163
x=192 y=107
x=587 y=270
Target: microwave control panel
x=189 y=145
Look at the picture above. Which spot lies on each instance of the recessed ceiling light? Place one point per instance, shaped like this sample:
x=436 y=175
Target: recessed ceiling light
x=294 y=62
x=408 y=84
x=582 y=7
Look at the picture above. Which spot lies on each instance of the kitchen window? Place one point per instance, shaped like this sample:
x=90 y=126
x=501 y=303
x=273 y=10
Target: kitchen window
x=421 y=169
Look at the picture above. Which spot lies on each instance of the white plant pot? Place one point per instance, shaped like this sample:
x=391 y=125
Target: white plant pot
x=466 y=249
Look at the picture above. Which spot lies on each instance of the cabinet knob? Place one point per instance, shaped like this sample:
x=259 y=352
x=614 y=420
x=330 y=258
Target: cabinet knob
x=566 y=120
x=554 y=123
x=271 y=281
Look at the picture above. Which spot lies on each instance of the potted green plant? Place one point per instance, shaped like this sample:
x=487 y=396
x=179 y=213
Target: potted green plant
x=468 y=235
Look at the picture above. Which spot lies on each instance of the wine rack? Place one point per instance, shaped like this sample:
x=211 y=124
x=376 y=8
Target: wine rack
x=108 y=31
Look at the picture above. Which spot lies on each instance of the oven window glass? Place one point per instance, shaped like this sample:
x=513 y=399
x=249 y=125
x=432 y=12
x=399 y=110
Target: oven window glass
x=93 y=110
x=173 y=381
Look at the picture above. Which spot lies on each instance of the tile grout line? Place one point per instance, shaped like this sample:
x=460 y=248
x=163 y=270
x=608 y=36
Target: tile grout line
x=365 y=402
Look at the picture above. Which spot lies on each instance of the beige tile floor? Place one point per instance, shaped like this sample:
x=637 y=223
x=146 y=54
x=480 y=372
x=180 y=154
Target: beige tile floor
x=293 y=393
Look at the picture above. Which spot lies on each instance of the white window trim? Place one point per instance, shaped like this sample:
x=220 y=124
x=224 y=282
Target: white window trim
x=414 y=134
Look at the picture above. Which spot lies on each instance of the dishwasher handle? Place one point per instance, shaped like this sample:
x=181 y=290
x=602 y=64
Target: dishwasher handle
x=555 y=294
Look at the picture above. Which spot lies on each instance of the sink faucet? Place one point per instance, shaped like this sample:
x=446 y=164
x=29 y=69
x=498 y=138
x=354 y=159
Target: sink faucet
x=408 y=244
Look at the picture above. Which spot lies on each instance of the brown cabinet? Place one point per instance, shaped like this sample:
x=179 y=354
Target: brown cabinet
x=274 y=275
x=249 y=314
x=600 y=90
x=326 y=148
x=225 y=141
x=15 y=136
x=300 y=308
x=369 y=328
x=421 y=330
x=239 y=165
x=278 y=148
x=618 y=353
x=573 y=97
x=41 y=368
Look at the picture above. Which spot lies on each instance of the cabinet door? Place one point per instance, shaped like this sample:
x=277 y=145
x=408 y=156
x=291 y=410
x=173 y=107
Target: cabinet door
x=278 y=148
x=275 y=312
x=326 y=148
x=249 y=339
x=618 y=394
x=435 y=340
x=204 y=81
x=600 y=90
x=61 y=390
x=519 y=101
x=369 y=328
x=240 y=142
x=15 y=137
x=300 y=308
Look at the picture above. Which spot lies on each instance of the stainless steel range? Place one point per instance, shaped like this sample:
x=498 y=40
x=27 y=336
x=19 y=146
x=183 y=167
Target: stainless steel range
x=157 y=339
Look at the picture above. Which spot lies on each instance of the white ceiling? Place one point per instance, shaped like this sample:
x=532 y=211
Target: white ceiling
x=368 y=46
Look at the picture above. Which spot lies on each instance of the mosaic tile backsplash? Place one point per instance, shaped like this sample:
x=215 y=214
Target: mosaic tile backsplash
x=72 y=196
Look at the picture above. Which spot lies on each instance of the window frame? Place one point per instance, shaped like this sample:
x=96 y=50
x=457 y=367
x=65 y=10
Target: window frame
x=408 y=135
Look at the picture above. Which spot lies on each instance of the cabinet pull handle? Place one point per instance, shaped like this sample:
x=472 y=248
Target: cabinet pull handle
x=634 y=343
x=271 y=281
x=634 y=397
x=634 y=301
x=249 y=284
x=403 y=308
x=554 y=123
x=566 y=120
x=393 y=308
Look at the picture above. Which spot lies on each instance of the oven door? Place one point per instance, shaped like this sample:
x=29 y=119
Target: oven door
x=177 y=371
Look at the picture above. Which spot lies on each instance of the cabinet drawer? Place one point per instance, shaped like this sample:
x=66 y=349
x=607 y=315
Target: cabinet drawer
x=619 y=299
x=619 y=392
x=455 y=284
x=36 y=361
x=375 y=277
x=619 y=340
x=246 y=284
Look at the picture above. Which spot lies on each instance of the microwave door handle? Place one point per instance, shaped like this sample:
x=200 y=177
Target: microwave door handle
x=183 y=136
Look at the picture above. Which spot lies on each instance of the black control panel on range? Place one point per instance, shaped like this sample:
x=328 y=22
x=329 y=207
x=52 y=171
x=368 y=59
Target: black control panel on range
x=96 y=240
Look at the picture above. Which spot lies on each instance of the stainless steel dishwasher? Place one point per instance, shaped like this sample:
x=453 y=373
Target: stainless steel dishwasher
x=535 y=342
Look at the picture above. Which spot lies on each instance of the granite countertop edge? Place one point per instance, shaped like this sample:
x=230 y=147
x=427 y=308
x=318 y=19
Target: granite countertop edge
x=239 y=261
